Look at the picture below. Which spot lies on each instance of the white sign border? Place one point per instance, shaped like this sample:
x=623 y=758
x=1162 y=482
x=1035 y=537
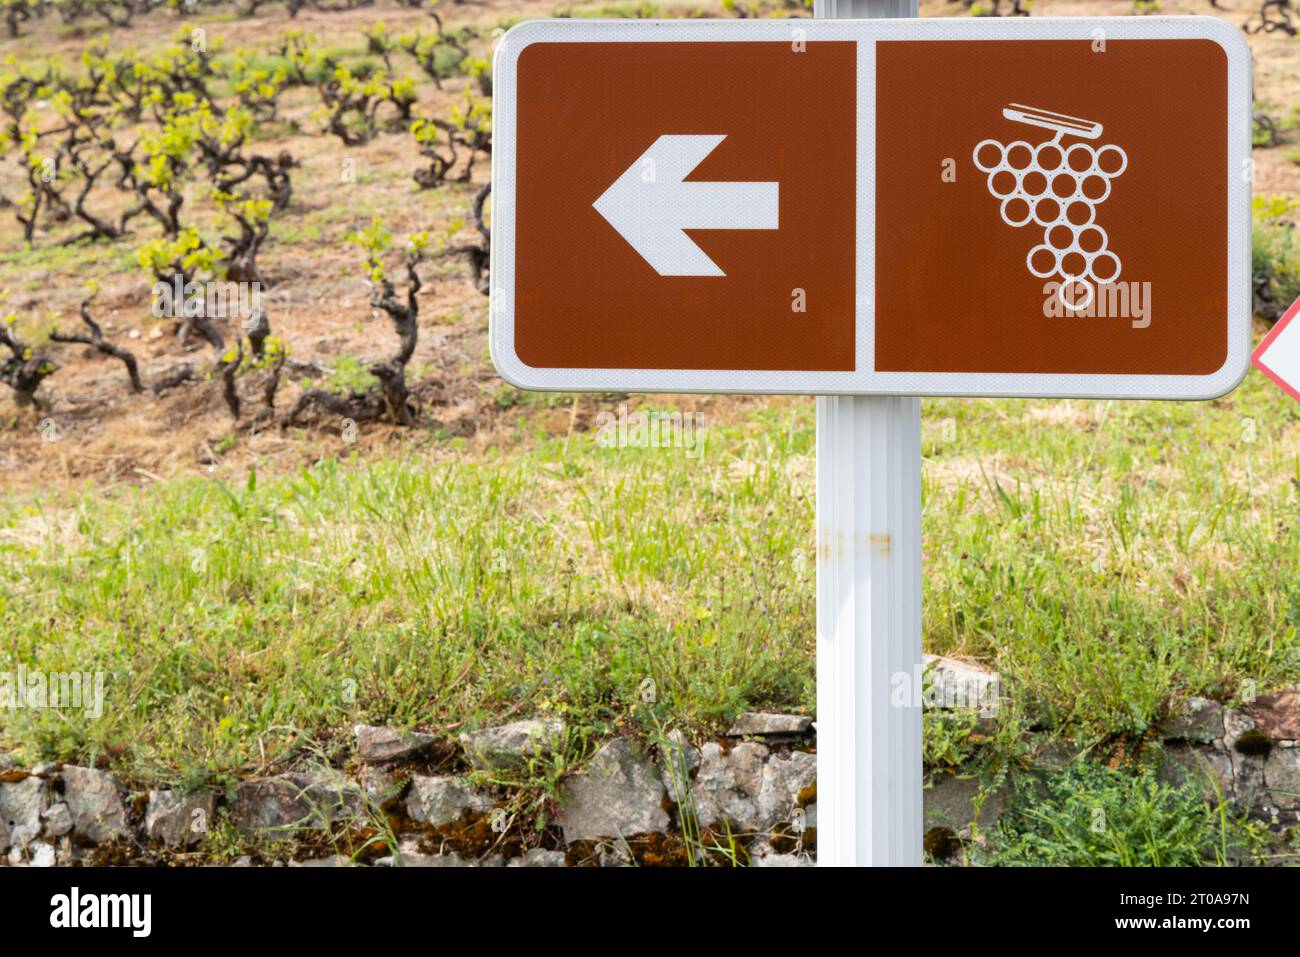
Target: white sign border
x=864 y=380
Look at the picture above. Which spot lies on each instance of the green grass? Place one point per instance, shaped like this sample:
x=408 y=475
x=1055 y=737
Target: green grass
x=1275 y=254
x=31 y=267
x=1128 y=555
x=1109 y=558
x=1090 y=816
x=249 y=620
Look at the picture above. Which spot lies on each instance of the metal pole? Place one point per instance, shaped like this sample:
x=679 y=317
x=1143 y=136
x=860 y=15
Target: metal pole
x=869 y=807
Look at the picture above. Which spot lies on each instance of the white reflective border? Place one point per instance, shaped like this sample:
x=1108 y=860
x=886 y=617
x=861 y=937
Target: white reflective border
x=865 y=380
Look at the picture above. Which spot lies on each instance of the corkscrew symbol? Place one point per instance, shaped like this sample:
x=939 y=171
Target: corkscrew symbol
x=1058 y=187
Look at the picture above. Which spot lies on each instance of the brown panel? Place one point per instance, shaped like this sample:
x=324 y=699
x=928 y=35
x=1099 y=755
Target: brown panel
x=953 y=292
x=586 y=299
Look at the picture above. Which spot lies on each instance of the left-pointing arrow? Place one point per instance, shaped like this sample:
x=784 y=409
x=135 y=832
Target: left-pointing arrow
x=650 y=205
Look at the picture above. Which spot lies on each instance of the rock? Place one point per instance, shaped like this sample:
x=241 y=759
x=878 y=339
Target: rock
x=1211 y=767
x=767 y=722
x=784 y=779
x=540 y=857
x=510 y=746
x=784 y=860
x=42 y=854
x=297 y=800
x=1219 y=763
x=959 y=684
x=334 y=860
x=21 y=805
x=378 y=745
x=58 y=819
x=69 y=854
x=728 y=785
x=1248 y=778
x=35 y=854
x=678 y=758
x=409 y=855
x=95 y=804
x=380 y=786
x=440 y=800
x=1277 y=715
x=1282 y=777
x=1198 y=720
x=619 y=794
x=1054 y=754
x=449 y=859
x=949 y=802
x=615 y=855
x=179 y=821
x=1235 y=724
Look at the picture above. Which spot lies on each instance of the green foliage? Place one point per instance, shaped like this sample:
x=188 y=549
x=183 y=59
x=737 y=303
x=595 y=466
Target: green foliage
x=1275 y=255
x=474 y=115
x=1091 y=816
x=254 y=210
x=1262 y=133
x=308 y=62
x=631 y=10
x=948 y=737
x=350 y=376
x=1107 y=558
x=418 y=592
x=374 y=239
x=258 y=87
x=187 y=255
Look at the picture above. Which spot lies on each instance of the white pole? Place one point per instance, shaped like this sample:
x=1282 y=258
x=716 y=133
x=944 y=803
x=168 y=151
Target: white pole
x=869 y=809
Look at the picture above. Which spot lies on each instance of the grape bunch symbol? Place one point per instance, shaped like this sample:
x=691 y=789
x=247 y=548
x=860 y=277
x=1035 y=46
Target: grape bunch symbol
x=1057 y=186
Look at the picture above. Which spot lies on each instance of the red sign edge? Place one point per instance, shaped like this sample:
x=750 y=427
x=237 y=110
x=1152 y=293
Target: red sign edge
x=1257 y=358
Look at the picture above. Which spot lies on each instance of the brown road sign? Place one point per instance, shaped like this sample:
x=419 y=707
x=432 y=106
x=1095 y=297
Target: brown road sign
x=962 y=207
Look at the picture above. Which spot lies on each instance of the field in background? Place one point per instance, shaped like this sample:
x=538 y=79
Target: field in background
x=1107 y=558
x=253 y=593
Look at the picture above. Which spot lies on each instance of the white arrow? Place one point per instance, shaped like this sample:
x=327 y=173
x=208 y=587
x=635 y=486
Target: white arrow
x=649 y=205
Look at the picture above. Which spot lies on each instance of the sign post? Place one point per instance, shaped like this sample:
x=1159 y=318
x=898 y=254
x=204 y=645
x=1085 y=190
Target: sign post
x=869 y=798
x=869 y=207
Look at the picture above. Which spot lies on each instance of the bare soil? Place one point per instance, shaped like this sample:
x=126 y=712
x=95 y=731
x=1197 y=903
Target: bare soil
x=91 y=429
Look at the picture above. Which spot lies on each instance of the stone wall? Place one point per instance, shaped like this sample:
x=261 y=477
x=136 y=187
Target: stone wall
x=748 y=797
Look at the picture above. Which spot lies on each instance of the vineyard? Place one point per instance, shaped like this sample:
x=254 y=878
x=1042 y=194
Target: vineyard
x=177 y=187
x=225 y=220
x=256 y=466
